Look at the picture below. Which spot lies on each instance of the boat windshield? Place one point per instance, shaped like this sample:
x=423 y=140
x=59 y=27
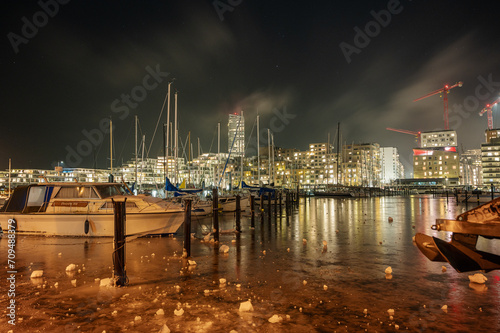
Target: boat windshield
x=110 y=190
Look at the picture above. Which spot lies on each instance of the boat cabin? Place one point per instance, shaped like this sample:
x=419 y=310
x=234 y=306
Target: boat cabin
x=37 y=197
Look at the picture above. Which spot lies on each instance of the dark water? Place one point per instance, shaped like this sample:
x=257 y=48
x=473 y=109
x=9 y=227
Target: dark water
x=270 y=265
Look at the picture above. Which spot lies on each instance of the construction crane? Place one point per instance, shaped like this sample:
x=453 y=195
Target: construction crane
x=487 y=109
x=416 y=134
x=444 y=91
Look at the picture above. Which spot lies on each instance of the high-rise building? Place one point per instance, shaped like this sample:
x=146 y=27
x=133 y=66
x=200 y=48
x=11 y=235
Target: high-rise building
x=490 y=157
x=361 y=164
x=433 y=139
x=437 y=162
x=470 y=168
x=391 y=166
x=236 y=135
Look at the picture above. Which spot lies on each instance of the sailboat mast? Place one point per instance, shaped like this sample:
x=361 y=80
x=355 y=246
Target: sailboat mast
x=269 y=153
x=272 y=154
x=168 y=128
x=258 y=151
x=10 y=171
x=111 y=144
x=136 y=157
x=218 y=154
x=338 y=144
x=189 y=156
x=242 y=150
x=142 y=158
x=199 y=150
x=175 y=138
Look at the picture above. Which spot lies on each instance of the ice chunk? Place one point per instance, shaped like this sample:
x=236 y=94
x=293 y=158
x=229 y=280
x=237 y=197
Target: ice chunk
x=478 y=287
x=478 y=278
x=37 y=274
x=388 y=270
x=246 y=306
x=71 y=267
x=390 y=312
x=160 y=312
x=164 y=329
x=179 y=312
x=107 y=282
x=275 y=319
x=224 y=249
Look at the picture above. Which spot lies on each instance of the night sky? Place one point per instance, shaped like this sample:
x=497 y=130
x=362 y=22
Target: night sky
x=303 y=66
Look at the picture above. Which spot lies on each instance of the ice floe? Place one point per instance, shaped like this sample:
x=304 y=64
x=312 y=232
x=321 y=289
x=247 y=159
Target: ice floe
x=246 y=306
x=37 y=274
x=478 y=278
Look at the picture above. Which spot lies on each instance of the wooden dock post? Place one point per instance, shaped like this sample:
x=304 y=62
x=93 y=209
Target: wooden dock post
x=261 y=208
x=269 y=207
x=287 y=203
x=275 y=203
x=238 y=213
x=280 y=203
x=119 y=273
x=297 y=194
x=215 y=199
x=187 y=228
x=252 y=211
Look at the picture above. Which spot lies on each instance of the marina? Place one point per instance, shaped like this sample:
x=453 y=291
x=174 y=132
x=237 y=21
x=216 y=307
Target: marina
x=320 y=269
x=250 y=166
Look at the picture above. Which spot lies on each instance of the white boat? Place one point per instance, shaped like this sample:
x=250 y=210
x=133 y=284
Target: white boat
x=86 y=209
x=228 y=204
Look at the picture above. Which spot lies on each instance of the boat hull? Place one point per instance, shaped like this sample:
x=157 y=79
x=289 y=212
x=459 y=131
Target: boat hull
x=99 y=225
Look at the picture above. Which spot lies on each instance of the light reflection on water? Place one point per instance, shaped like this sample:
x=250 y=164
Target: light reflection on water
x=361 y=243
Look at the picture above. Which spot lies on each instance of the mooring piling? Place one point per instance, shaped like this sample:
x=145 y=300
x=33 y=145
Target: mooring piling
x=215 y=202
x=119 y=273
x=238 y=213
x=252 y=211
x=187 y=228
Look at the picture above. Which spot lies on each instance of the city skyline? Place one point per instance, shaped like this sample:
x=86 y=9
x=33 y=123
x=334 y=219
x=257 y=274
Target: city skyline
x=69 y=66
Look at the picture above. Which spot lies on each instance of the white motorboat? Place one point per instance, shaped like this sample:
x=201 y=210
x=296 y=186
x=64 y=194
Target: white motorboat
x=86 y=209
x=228 y=203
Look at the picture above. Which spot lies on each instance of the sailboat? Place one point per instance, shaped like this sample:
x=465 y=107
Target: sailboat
x=339 y=190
